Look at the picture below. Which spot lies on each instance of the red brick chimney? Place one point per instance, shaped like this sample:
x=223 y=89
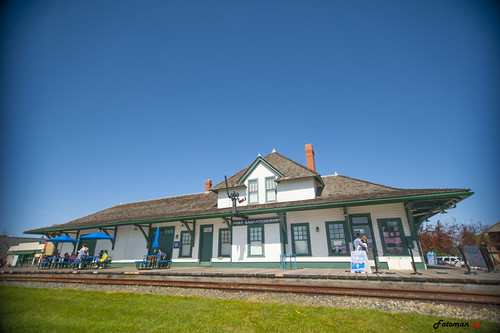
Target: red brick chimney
x=208 y=185
x=310 y=157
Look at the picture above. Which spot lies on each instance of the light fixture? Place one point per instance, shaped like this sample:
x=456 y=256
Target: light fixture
x=317 y=229
x=176 y=236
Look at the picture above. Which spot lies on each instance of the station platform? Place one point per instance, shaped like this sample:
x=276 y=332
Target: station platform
x=432 y=275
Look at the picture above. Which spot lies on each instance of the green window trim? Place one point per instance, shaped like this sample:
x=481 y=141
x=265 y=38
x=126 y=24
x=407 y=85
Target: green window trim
x=394 y=234
x=250 y=191
x=369 y=223
x=294 y=233
x=273 y=188
x=186 y=240
x=252 y=233
x=223 y=238
x=329 y=237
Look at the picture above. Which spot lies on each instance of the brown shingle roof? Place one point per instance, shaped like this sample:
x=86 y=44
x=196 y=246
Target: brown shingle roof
x=185 y=205
x=494 y=228
x=289 y=168
x=336 y=189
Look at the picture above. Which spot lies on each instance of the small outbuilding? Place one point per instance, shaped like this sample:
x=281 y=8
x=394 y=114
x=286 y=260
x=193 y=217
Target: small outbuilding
x=25 y=253
x=494 y=235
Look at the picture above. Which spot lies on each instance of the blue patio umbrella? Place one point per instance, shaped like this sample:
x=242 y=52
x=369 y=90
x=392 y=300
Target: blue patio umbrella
x=97 y=235
x=157 y=237
x=62 y=239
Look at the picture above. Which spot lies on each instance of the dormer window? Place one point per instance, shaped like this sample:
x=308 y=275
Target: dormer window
x=253 y=191
x=270 y=189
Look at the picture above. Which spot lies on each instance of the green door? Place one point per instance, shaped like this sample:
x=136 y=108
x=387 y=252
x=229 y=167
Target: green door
x=165 y=240
x=206 y=240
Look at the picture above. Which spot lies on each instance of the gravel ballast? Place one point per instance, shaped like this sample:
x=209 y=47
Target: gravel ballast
x=491 y=314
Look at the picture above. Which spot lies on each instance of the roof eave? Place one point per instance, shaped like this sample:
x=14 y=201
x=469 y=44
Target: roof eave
x=312 y=206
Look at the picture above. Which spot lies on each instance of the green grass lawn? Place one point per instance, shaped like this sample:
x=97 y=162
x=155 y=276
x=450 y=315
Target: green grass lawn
x=56 y=310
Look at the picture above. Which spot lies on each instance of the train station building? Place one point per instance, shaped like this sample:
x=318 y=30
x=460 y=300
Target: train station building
x=282 y=207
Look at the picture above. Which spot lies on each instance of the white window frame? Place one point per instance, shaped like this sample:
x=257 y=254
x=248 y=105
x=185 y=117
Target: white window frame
x=250 y=183
x=272 y=188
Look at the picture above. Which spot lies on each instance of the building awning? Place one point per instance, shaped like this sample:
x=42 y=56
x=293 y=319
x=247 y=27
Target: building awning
x=23 y=252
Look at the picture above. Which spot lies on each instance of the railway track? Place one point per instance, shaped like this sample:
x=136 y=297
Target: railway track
x=435 y=296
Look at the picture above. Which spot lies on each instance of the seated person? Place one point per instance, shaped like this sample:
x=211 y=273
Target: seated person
x=103 y=259
x=162 y=254
x=72 y=257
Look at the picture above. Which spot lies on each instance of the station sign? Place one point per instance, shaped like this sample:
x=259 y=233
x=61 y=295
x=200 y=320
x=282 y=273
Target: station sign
x=257 y=221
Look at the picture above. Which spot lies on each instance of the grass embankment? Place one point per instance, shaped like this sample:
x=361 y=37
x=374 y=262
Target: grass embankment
x=56 y=310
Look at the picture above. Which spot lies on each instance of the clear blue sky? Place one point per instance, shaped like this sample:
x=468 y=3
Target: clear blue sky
x=106 y=102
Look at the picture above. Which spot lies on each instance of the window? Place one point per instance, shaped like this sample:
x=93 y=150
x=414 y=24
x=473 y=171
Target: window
x=224 y=242
x=362 y=224
x=256 y=240
x=185 y=246
x=270 y=189
x=301 y=241
x=253 y=191
x=336 y=238
x=391 y=232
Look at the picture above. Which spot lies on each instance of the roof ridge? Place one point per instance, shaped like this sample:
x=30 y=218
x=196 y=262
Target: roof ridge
x=289 y=159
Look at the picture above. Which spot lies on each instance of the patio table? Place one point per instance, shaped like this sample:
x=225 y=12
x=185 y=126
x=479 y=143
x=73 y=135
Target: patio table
x=155 y=258
x=92 y=261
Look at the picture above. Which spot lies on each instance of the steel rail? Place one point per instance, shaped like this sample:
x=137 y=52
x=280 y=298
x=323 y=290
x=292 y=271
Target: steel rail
x=454 y=297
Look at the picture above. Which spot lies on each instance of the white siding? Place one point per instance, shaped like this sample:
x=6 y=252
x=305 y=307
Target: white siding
x=130 y=245
x=319 y=245
x=395 y=210
x=296 y=190
x=224 y=202
x=302 y=189
x=272 y=245
x=260 y=173
x=317 y=218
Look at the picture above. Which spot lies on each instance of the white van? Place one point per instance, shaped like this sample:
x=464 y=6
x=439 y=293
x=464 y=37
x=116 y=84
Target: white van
x=453 y=261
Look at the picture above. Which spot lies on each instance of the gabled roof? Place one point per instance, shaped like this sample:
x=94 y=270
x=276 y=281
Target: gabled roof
x=288 y=169
x=338 y=191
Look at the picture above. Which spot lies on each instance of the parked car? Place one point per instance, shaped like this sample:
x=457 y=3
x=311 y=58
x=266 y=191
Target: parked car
x=444 y=263
x=451 y=261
